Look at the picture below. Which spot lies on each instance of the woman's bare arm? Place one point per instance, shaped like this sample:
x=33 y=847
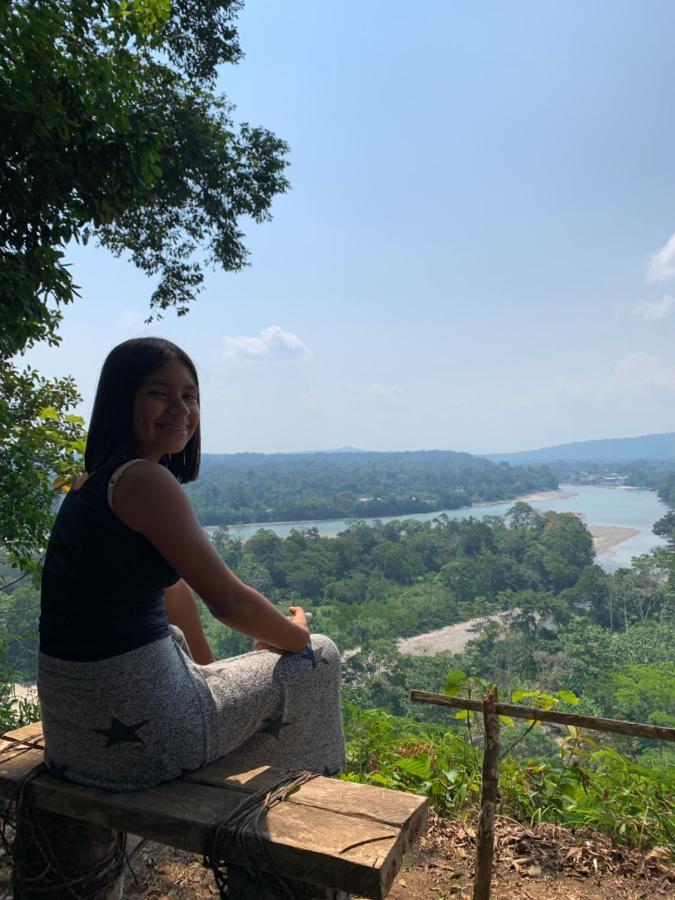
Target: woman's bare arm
x=182 y=611
x=148 y=499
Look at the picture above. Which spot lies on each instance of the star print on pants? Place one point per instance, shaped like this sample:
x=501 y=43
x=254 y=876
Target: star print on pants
x=119 y=733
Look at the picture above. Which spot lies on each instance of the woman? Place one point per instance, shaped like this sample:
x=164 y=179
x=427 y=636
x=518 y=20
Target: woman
x=129 y=690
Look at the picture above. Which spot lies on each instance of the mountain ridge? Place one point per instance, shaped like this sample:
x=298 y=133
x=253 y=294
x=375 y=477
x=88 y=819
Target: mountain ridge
x=647 y=446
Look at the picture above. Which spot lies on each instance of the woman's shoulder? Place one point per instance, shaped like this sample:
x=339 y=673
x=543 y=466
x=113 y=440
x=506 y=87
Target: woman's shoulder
x=138 y=482
x=141 y=472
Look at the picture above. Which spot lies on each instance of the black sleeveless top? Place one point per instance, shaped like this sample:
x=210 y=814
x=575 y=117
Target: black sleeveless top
x=102 y=583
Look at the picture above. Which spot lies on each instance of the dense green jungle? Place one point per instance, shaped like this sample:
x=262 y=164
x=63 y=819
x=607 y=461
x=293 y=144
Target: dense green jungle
x=573 y=637
x=651 y=474
x=286 y=487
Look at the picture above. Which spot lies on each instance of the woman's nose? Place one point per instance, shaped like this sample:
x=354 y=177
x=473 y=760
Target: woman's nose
x=177 y=404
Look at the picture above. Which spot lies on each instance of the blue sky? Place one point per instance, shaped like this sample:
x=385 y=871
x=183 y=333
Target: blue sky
x=477 y=252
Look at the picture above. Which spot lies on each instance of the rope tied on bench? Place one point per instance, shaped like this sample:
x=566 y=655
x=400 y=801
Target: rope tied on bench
x=236 y=831
x=43 y=872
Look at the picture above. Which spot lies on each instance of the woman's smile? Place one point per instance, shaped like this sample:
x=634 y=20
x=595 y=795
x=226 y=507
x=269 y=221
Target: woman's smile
x=166 y=411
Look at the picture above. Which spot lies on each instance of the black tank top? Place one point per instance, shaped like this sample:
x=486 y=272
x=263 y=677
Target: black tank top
x=102 y=583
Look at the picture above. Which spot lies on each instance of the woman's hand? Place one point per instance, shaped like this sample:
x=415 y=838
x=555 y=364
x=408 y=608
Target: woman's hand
x=298 y=616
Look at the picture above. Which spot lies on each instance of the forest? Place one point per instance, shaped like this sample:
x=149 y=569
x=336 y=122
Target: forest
x=651 y=474
x=573 y=635
x=256 y=487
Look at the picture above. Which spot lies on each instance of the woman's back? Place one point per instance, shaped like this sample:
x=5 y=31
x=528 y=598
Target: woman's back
x=102 y=582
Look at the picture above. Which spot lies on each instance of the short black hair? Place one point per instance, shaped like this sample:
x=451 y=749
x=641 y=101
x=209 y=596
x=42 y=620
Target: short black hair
x=111 y=431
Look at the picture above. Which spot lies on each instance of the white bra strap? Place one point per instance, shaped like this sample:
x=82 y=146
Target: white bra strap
x=115 y=477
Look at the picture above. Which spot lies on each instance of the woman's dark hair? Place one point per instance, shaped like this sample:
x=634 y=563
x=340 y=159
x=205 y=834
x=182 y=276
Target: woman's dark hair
x=111 y=431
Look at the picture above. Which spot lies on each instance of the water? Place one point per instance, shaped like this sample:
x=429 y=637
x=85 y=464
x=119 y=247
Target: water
x=596 y=505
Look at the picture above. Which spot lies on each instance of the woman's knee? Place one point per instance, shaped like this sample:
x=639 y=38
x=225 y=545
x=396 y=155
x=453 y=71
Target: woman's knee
x=324 y=648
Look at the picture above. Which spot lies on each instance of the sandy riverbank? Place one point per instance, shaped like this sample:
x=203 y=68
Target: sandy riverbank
x=607 y=536
x=546 y=495
x=454 y=638
x=451 y=639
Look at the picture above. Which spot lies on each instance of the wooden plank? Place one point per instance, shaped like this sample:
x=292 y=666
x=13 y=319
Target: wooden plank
x=595 y=723
x=397 y=808
x=366 y=801
x=15 y=764
x=32 y=732
x=356 y=853
x=303 y=843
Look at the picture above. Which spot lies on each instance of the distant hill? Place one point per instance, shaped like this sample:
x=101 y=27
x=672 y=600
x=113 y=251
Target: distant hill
x=292 y=487
x=648 y=447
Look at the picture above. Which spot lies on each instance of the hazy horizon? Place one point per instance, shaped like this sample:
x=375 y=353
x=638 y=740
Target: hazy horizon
x=347 y=448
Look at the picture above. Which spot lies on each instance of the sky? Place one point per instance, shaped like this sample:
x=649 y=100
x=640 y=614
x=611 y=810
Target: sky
x=478 y=249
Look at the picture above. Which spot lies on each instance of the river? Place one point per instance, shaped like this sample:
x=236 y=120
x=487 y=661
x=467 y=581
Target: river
x=621 y=507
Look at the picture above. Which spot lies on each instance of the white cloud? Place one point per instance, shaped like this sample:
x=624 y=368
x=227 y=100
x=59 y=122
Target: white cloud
x=636 y=374
x=271 y=343
x=652 y=310
x=661 y=267
x=644 y=372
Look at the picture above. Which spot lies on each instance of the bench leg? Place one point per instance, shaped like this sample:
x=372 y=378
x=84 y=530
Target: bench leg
x=54 y=855
x=244 y=885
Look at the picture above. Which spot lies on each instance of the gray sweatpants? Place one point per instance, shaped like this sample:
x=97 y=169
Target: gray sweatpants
x=135 y=720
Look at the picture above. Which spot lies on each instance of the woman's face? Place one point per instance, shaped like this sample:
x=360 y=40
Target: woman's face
x=166 y=411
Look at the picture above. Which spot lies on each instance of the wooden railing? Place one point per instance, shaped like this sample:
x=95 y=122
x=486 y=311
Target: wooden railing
x=492 y=710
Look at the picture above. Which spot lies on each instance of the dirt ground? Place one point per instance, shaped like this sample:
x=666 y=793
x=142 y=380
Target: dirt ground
x=542 y=864
x=545 y=863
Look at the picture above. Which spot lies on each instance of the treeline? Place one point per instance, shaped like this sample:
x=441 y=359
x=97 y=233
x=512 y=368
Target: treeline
x=650 y=474
x=383 y=581
x=254 y=487
x=406 y=577
x=609 y=639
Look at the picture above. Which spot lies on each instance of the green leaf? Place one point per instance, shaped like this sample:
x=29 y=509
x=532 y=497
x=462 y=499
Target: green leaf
x=453 y=681
x=568 y=697
x=415 y=765
x=464 y=714
x=538 y=698
x=48 y=412
x=507 y=720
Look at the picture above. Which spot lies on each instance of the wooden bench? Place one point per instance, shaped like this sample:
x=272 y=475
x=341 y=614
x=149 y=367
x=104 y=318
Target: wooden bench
x=332 y=835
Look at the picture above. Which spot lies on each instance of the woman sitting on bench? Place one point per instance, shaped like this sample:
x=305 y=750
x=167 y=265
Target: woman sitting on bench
x=130 y=694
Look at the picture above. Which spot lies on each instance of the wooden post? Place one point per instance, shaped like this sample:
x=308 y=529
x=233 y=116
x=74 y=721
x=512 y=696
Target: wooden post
x=488 y=799
x=86 y=857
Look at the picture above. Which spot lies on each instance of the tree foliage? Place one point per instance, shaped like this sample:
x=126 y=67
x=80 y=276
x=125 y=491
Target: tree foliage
x=257 y=487
x=110 y=130
x=40 y=447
